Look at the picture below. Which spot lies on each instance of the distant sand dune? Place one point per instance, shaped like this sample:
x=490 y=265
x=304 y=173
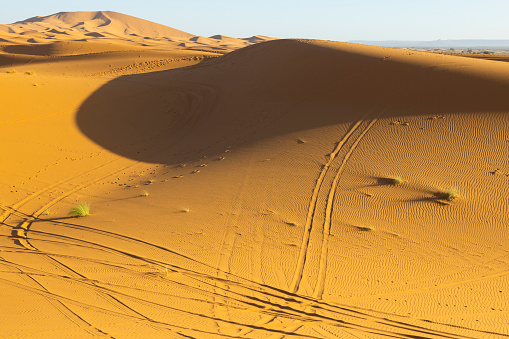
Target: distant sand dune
x=76 y=26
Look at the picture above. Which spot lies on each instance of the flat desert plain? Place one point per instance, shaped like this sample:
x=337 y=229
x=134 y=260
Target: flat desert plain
x=247 y=188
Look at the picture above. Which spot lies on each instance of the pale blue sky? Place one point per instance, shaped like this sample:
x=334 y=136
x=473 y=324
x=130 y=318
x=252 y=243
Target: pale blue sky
x=339 y=20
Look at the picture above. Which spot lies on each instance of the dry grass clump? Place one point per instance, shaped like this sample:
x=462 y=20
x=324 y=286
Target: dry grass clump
x=30 y=72
x=367 y=228
x=11 y=71
x=397 y=180
x=450 y=195
x=144 y=194
x=80 y=210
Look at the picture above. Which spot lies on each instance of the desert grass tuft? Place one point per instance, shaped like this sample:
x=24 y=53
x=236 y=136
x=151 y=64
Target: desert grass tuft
x=367 y=228
x=397 y=180
x=186 y=210
x=144 y=194
x=30 y=72
x=450 y=195
x=11 y=71
x=80 y=210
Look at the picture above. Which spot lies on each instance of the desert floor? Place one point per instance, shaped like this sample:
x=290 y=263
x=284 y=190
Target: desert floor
x=287 y=189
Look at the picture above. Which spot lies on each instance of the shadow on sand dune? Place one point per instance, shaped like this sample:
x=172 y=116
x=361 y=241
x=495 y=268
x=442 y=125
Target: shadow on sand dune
x=280 y=87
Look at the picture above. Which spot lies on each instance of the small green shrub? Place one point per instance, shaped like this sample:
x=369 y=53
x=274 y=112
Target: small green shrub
x=80 y=210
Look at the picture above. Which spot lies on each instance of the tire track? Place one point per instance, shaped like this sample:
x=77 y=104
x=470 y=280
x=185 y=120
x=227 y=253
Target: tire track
x=333 y=316
x=14 y=208
x=152 y=304
x=20 y=232
x=60 y=306
x=318 y=291
x=286 y=313
x=297 y=277
x=198 y=100
x=26 y=224
x=265 y=305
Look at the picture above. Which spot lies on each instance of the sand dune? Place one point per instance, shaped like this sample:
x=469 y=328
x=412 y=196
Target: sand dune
x=288 y=189
x=106 y=26
x=103 y=21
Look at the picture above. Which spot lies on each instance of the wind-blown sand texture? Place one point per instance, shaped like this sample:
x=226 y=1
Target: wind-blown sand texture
x=250 y=195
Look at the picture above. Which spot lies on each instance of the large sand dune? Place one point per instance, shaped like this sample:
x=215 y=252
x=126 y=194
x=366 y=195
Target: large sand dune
x=107 y=27
x=289 y=189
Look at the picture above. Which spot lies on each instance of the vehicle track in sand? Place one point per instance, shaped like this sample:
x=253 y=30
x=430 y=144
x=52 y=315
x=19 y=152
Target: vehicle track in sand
x=259 y=299
x=228 y=292
x=251 y=296
x=297 y=277
x=21 y=236
x=243 y=296
x=20 y=232
x=164 y=276
x=318 y=290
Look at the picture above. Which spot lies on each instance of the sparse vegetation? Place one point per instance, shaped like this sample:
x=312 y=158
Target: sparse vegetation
x=397 y=180
x=80 y=210
x=450 y=195
x=11 y=71
x=144 y=194
x=186 y=210
x=30 y=73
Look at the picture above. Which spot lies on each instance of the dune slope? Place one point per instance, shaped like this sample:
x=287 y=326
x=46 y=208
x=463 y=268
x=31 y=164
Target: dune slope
x=294 y=188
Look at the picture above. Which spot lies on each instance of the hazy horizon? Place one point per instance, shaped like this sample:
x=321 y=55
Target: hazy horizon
x=324 y=19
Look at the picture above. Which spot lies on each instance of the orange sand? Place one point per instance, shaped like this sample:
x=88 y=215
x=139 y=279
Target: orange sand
x=249 y=195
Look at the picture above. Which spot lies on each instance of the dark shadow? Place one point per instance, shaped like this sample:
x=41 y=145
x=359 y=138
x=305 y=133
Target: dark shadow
x=39 y=219
x=437 y=197
x=272 y=89
x=95 y=35
x=39 y=49
x=380 y=181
